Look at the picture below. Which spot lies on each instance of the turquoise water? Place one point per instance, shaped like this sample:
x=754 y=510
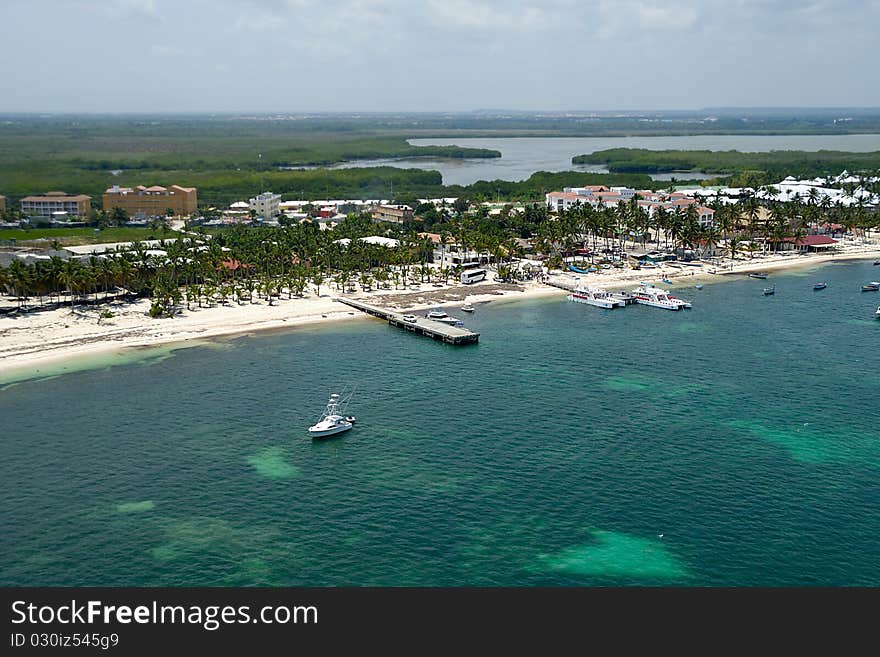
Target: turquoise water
x=734 y=444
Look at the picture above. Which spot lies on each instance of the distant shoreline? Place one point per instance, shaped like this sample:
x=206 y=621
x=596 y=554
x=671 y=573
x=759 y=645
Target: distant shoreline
x=51 y=342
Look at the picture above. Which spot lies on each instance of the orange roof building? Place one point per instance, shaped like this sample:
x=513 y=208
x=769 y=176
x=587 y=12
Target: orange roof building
x=152 y=201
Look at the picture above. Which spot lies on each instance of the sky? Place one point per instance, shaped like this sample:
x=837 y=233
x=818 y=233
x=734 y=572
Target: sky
x=435 y=55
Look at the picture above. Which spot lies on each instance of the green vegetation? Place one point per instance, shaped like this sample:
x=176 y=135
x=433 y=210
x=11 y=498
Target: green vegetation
x=225 y=158
x=230 y=157
x=84 y=235
x=746 y=168
x=245 y=264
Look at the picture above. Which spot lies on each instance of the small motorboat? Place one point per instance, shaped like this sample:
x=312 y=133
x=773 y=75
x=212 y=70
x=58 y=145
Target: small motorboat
x=438 y=315
x=667 y=281
x=467 y=308
x=410 y=318
x=871 y=287
x=699 y=286
x=331 y=422
x=820 y=286
x=877 y=263
x=757 y=274
x=769 y=290
x=877 y=314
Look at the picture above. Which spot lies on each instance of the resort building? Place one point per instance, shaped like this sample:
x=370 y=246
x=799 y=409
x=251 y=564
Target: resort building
x=600 y=197
x=266 y=205
x=397 y=214
x=152 y=201
x=56 y=205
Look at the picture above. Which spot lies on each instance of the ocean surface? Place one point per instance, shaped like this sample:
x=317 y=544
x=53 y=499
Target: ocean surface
x=734 y=444
x=522 y=156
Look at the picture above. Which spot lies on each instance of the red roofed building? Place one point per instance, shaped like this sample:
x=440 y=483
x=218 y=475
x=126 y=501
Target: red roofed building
x=233 y=265
x=814 y=243
x=807 y=244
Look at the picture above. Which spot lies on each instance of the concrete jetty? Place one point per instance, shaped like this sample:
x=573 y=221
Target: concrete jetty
x=455 y=335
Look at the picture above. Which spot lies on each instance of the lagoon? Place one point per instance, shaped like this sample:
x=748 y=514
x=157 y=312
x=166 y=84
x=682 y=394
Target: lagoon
x=522 y=156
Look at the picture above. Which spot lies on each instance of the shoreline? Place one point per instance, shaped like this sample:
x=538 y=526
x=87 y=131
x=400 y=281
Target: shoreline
x=39 y=345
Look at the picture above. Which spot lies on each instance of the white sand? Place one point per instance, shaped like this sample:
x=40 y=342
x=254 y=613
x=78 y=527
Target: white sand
x=30 y=341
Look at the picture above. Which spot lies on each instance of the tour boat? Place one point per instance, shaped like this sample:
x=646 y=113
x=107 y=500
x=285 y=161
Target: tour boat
x=756 y=274
x=331 y=422
x=438 y=315
x=468 y=308
x=820 y=286
x=595 y=297
x=650 y=295
x=769 y=290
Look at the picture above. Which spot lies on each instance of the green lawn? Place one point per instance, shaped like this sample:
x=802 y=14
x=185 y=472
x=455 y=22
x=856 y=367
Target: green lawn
x=86 y=235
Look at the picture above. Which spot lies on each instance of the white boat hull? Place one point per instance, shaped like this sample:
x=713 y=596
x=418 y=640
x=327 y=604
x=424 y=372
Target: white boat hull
x=599 y=303
x=658 y=304
x=324 y=432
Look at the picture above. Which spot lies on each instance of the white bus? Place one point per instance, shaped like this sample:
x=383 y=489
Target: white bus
x=469 y=276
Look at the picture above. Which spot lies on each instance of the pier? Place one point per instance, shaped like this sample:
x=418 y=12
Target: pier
x=455 y=335
x=561 y=286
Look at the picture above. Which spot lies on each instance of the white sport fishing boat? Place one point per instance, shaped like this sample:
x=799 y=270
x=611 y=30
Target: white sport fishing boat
x=332 y=421
x=649 y=294
x=595 y=297
x=438 y=315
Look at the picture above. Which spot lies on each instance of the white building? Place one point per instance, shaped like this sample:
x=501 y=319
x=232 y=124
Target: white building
x=266 y=205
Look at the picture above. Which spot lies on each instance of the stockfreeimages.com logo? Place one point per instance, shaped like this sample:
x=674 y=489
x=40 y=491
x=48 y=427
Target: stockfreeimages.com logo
x=210 y=617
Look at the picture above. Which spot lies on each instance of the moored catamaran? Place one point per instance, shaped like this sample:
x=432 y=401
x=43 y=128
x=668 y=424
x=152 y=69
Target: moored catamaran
x=595 y=297
x=649 y=294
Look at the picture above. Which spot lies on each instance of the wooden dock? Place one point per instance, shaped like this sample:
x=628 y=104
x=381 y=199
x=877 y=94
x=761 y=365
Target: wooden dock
x=456 y=335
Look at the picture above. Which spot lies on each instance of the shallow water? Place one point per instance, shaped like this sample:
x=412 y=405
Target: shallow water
x=555 y=452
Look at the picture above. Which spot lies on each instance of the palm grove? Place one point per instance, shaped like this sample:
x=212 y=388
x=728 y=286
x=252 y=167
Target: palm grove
x=247 y=263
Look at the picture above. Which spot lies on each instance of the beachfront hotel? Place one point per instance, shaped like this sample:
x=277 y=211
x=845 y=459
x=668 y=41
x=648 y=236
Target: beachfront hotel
x=151 y=201
x=600 y=196
x=56 y=205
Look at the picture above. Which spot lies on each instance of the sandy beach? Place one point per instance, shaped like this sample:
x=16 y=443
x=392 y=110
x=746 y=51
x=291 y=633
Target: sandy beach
x=31 y=341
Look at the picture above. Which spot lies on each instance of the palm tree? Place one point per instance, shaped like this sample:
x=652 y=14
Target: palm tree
x=733 y=244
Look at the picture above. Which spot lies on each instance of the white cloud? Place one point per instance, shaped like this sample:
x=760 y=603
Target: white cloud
x=165 y=50
x=143 y=7
x=475 y=15
x=616 y=18
x=260 y=21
